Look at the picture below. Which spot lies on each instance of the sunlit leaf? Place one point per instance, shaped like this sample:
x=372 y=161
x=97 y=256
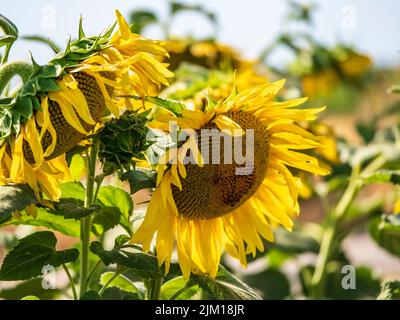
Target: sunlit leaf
x=119 y=281
x=174 y=289
x=390 y=291
x=49 y=221
x=118 y=198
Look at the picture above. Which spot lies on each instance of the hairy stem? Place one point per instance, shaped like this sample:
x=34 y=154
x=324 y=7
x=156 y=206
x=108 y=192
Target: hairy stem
x=12 y=69
x=86 y=222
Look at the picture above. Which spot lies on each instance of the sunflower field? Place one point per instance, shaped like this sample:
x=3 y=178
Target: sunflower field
x=174 y=166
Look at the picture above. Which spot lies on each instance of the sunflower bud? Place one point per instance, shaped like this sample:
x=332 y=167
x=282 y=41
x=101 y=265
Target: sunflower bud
x=123 y=141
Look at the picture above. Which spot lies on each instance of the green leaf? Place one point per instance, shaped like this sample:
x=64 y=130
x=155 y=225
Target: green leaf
x=172 y=105
x=390 y=290
x=294 y=242
x=30 y=298
x=136 y=296
x=14 y=198
x=77 y=167
x=366 y=285
x=119 y=281
x=276 y=258
x=8 y=27
x=32 y=253
x=90 y=295
x=74 y=190
x=271 y=282
x=116 y=197
x=50 y=221
x=77 y=150
x=107 y=217
x=177 y=7
x=32 y=287
x=62 y=257
x=24 y=105
x=41 y=39
x=140 y=19
x=71 y=208
x=366 y=131
x=225 y=286
x=81 y=33
x=141 y=264
x=5 y=121
x=171 y=287
x=121 y=240
x=140 y=179
x=385 y=230
x=394 y=89
x=383 y=176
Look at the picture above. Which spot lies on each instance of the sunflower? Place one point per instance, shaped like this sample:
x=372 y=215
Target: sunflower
x=63 y=101
x=202 y=207
x=320 y=83
x=209 y=54
x=196 y=85
x=343 y=64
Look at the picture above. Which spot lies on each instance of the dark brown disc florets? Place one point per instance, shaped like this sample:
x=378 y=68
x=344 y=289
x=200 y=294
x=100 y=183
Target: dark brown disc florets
x=215 y=190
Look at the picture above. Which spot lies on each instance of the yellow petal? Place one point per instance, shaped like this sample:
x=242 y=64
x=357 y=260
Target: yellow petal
x=32 y=137
x=228 y=126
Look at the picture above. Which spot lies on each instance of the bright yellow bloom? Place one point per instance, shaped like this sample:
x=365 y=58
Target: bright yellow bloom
x=41 y=175
x=125 y=64
x=209 y=54
x=320 y=83
x=203 y=208
x=354 y=64
x=396 y=208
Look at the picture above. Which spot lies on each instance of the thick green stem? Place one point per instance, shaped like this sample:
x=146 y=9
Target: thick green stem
x=328 y=243
x=154 y=289
x=12 y=69
x=85 y=242
x=86 y=222
x=329 y=240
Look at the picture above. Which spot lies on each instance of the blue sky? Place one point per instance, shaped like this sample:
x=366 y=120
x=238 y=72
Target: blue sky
x=248 y=25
